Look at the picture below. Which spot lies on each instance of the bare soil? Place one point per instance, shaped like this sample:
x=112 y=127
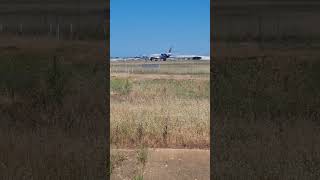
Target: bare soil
x=170 y=164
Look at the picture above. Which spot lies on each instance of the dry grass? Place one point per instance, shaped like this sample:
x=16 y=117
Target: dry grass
x=52 y=114
x=194 y=67
x=129 y=164
x=266 y=118
x=262 y=150
x=49 y=154
x=160 y=112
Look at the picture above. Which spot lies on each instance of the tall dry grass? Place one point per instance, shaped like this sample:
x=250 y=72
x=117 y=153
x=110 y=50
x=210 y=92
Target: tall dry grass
x=190 y=67
x=265 y=120
x=52 y=115
x=160 y=113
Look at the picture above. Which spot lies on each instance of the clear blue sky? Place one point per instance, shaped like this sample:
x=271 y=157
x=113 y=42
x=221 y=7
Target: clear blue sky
x=143 y=27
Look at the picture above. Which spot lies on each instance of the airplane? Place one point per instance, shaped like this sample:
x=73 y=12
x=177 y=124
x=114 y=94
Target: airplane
x=162 y=56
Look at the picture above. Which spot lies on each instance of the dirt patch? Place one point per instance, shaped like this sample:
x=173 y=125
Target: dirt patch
x=164 y=164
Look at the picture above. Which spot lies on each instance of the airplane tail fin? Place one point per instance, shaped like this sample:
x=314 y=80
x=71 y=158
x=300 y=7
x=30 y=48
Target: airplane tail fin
x=170 y=50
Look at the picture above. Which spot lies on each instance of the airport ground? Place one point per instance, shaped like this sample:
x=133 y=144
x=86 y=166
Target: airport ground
x=51 y=111
x=159 y=163
x=160 y=110
x=51 y=102
x=266 y=109
x=162 y=107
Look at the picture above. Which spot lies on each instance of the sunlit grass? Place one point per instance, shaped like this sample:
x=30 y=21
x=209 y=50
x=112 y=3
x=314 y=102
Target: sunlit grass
x=161 y=113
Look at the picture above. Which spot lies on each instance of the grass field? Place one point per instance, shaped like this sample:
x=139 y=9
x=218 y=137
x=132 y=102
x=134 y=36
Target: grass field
x=168 y=67
x=266 y=116
x=167 y=108
x=266 y=111
x=159 y=105
x=51 y=109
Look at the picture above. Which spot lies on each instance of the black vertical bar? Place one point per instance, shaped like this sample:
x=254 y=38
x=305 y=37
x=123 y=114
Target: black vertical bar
x=212 y=132
x=107 y=51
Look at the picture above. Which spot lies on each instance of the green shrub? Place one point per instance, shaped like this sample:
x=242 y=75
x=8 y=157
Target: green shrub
x=122 y=86
x=142 y=155
x=138 y=177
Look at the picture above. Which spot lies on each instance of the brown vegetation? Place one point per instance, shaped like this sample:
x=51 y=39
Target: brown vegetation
x=266 y=117
x=52 y=111
x=170 y=112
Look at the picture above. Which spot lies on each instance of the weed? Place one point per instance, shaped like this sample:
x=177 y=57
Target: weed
x=140 y=132
x=122 y=86
x=165 y=132
x=56 y=82
x=116 y=160
x=142 y=155
x=138 y=177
